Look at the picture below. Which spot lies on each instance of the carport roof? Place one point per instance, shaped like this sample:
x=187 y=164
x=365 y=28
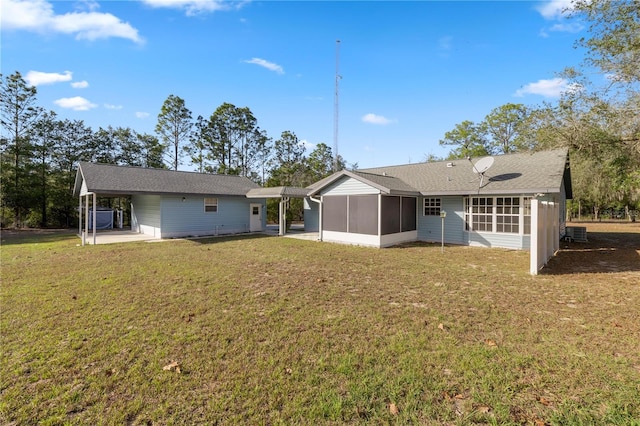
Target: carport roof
x=108 y=179
x=277 y=192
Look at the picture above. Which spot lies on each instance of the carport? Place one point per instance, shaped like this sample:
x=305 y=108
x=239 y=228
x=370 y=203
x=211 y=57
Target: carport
x=168 y=203
x=285 y=193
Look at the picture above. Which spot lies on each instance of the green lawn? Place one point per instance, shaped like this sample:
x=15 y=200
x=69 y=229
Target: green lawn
x=268 y=330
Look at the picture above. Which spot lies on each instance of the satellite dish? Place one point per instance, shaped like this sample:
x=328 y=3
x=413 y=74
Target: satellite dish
x=482 y=165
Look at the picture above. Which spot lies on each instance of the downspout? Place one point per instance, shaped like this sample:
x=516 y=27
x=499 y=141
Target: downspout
x=319 y=201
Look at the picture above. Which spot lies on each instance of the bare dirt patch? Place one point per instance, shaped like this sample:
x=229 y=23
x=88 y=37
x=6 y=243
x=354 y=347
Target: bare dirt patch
x=611 y=247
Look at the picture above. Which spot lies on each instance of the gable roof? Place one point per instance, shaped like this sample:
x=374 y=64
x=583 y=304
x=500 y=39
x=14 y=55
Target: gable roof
x=530 y=172
x=386 y=184
x=108 y=179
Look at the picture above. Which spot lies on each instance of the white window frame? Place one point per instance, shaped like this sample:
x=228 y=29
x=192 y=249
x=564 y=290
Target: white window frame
x=508 y=207
x=523 y=215
x=211 y=205
x=526 y=215
x=432 y=206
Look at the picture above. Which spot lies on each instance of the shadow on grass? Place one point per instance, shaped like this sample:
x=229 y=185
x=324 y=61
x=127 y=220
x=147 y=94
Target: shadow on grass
x=226 y=238
x=31 y=236
x=413 y=244
x=604 y=252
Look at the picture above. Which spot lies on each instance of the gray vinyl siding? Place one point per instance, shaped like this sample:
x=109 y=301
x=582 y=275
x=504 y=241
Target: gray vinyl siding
x=188 y=218
x=509 y=241
x=145 y=210
x=430 y=227
x=311 y=216
x=349 y=186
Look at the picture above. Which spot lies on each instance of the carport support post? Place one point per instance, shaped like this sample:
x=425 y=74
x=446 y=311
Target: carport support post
x=86 y=219
x=95 y=225
x=280 y=217
x=283 y=215
x=80 y=217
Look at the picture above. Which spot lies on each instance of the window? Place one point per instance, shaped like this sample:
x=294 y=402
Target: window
x=508 y=214
x=255 y=210
x=482 y=214
x=432 y=206
x=527 y=215
x=210 y=205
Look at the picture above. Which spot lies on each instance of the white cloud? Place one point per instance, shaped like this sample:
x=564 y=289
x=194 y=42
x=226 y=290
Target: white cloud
x=309 y=146
x=37 y=78
x=77 y=103
x=548 y=88
x=142 y=115
x=571 y=27
x=195 y=7
x=557 y=10
x=266 y=64
x=39 y=16
x=377 y=119
x=110 y=106
x=87 y=5
x=80 y=84
x=553 y=9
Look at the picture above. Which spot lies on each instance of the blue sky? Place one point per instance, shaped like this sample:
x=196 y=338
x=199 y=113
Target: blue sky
x=410 y=70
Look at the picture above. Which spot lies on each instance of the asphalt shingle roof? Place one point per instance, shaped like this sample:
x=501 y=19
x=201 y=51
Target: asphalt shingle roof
x=110 y=179
x=391 y=183
x=530 y=172
x=277 y=191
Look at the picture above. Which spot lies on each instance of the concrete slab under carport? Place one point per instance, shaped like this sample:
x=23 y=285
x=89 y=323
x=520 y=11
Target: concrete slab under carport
x=296 y=231
x=118 y=236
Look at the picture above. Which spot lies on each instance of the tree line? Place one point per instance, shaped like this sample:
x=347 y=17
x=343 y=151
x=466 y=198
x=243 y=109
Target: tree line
x=598 y=122
x=40 y=153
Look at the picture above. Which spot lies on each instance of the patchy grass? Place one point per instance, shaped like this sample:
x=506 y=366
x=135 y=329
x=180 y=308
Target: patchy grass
x=280 y=331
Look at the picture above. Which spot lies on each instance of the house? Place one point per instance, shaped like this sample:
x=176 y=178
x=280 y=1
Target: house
x=489 y=206
x=515 y=201
x=169 y=204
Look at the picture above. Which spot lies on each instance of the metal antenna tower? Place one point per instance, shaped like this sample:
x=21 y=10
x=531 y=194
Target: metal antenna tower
x=336 y=108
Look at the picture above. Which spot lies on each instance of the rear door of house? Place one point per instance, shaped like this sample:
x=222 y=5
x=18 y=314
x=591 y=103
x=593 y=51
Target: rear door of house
x=255 y=221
